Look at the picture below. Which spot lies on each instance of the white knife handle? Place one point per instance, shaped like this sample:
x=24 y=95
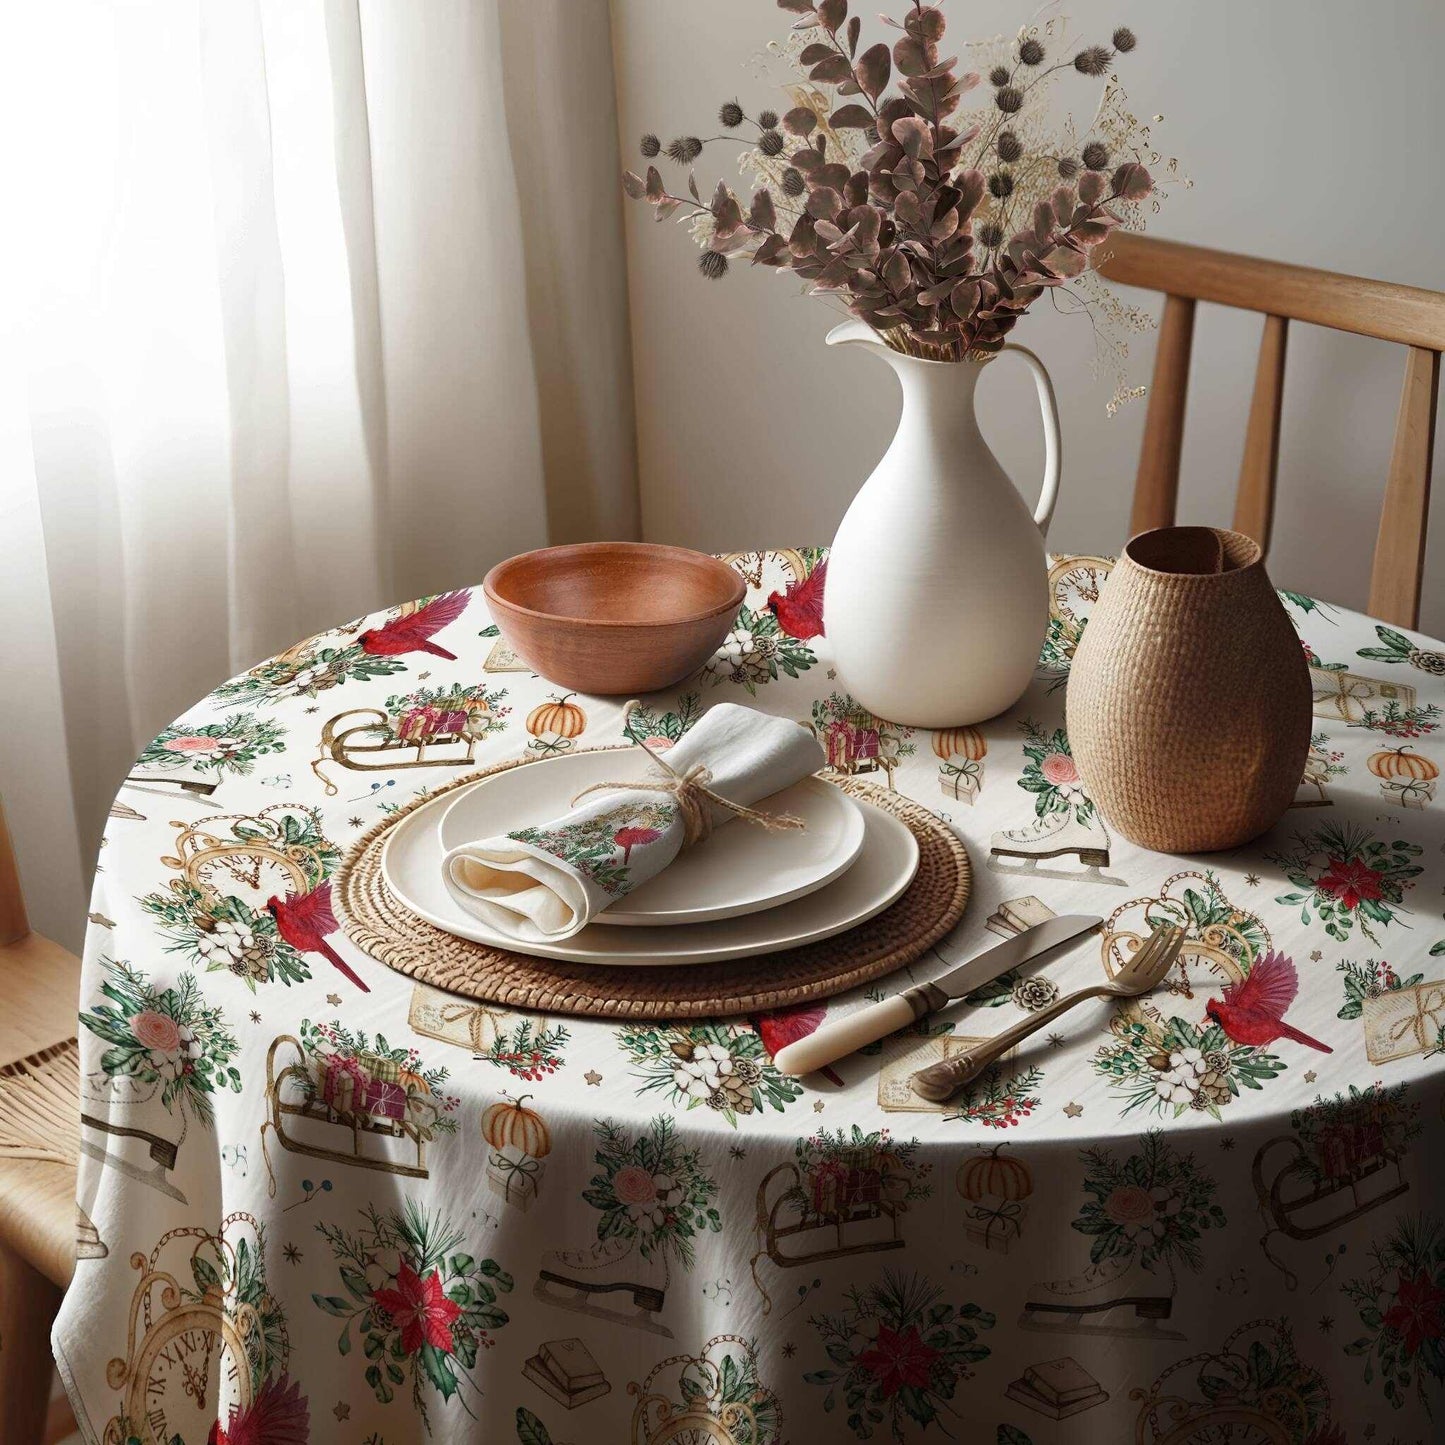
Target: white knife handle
x=835 y=1040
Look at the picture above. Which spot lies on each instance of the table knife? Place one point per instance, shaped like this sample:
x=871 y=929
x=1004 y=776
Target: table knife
x=834 y=1040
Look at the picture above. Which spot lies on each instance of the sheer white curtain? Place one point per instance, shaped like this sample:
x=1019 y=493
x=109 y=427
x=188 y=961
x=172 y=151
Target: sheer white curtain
x=306 y=306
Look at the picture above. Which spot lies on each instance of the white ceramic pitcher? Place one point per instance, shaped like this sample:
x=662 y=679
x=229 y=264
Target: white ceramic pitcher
x=937 y=600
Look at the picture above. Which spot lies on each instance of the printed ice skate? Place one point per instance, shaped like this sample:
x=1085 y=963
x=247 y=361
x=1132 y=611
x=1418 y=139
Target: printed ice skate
x=1055 y=835
x=576 y=1279
x=1084 y=1304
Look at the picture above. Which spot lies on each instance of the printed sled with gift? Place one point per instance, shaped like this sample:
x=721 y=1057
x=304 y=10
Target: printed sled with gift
x=1343 y=1159
x=425 y=729
x=362 y=1109
x=836 y=1200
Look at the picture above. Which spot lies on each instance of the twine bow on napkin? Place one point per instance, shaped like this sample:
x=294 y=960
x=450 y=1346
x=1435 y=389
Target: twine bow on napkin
x=546 y=882
x=695 y=800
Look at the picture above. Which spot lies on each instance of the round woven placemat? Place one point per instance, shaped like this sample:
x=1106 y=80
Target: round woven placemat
x=931 y=906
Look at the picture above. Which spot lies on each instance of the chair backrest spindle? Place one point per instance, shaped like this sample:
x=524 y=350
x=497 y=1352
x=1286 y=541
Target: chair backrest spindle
x=1399 y=570
x=1156 y=489
x=1407 y=315
x=1254 y=499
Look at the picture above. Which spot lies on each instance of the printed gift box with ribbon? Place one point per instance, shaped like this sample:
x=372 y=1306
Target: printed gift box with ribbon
x=994 y=1221
x=847 y=745
x=1346 y=1150
x=1346 y=696
x=961 y=780
x=341 y=1083
x=514 y=1175
x=422 y=724
x=385 y=1095
x=1409 y=792
x=838 y=1184
x=1404 y=1021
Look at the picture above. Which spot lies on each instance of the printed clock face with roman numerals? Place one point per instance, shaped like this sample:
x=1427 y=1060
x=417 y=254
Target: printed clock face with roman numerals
x=191 y=1370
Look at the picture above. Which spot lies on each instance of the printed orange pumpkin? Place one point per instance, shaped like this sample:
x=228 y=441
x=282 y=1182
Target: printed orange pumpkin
x=557 y=717
x=992 y=1173
x=959 y=743
x=508 y=1124
x=1401 y=763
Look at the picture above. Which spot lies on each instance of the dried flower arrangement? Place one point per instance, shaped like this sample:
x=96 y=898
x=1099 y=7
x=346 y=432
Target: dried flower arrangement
x=939 y=229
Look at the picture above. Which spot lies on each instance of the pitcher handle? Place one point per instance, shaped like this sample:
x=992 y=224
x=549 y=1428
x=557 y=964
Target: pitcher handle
x=1053 y=445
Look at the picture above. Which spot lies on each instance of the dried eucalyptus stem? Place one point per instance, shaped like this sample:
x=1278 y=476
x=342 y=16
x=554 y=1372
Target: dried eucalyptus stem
x=945 y=229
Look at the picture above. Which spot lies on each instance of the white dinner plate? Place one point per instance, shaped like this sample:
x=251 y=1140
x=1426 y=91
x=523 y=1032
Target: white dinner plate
x=411 y=863
x=741 y=869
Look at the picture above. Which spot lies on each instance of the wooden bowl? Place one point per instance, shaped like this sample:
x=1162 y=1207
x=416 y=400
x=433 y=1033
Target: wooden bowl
x=618 y=618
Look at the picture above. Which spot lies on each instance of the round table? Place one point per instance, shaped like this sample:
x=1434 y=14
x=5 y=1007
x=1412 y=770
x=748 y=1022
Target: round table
x=403 y=1215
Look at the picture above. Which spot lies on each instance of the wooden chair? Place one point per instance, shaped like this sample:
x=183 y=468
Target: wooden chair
x=1284 y=293
x=39 y=1146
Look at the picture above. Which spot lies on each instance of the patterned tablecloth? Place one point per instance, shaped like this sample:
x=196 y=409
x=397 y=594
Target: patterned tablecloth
x=374 y=1217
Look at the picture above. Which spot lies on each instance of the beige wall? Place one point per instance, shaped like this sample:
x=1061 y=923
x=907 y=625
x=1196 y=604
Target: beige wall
x=1311 y=130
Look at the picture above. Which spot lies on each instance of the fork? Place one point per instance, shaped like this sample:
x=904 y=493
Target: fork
x=1143 y=972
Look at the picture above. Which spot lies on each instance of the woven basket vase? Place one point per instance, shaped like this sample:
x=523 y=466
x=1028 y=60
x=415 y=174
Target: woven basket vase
x=1189 y=700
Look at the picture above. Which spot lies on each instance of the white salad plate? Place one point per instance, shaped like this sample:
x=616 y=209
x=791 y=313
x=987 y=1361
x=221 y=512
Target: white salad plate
x=411 y=863
x=741 y=868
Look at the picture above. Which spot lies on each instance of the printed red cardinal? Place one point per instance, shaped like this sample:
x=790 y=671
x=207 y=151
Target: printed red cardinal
x=277 y=1416
x=629 y=838
x=413 y=632
x=1252 y=1012
x=800 y=610
x=787 y=1027
x=304 y=920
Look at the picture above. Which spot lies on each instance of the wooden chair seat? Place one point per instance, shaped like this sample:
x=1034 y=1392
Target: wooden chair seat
x=39 y=1147
x=1407 y=315
x=38 y=1217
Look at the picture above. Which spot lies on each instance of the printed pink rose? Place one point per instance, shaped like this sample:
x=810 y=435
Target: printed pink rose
x=1129 y=1204
x=190 y=745
x=1059 y=769
x=156 y=1031
x=632 y=1184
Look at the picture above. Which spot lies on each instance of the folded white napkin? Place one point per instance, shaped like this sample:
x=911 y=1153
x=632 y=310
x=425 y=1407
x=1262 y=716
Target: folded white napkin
x=546 y=883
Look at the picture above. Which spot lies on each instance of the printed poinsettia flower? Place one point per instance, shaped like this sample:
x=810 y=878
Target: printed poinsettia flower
x=629 y=838
x=897 y=1359
x=1059 y=769
x=1351 y=882
x=155 y=1031
x=1418 y=1313
x=420 y=1309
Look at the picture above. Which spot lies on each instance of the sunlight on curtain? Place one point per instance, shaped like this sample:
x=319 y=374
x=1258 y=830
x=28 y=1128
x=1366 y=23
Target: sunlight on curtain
x=283 y=348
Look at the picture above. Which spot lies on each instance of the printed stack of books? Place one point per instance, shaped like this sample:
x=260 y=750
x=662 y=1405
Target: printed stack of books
x=1014 y=915
x=566 y=1370
x=1057 y=1388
